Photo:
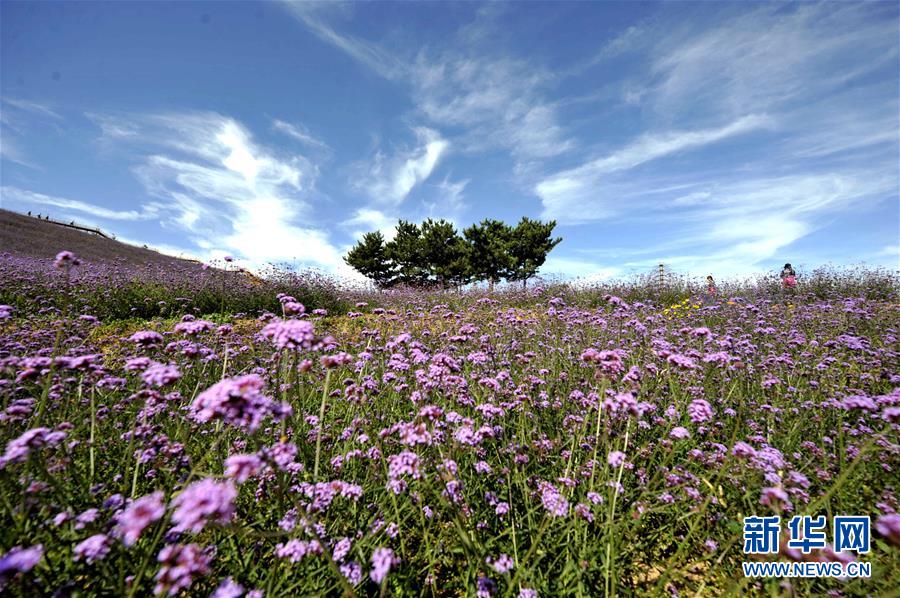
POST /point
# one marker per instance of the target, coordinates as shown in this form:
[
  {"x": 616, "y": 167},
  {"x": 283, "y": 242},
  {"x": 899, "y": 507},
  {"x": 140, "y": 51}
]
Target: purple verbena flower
[
  {"x": 238, "y": 401},
  {"x": 181, "y": 564},
  {"x": 290, "y": 334},
  {"x": 93, "y": 549},
  {"x": 205, "y": 501},
  {"x": 502, "y": 564},
  {"x": 135, "y": 518},
  {"x": 19, "y": 560},
  {"x": 700, "y": 411},
  {"x": 160, "y": 375},
  {"x": 382, "y": 561}
]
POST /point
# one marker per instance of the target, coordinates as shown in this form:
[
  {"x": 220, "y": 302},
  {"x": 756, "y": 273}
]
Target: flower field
[{"x": 542, "y": 442}]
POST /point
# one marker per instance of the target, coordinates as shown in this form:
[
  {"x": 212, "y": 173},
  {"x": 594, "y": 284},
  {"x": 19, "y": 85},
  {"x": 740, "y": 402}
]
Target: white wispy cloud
[
  {"x": 387, "y": 180},
  {"x": 492, "y": 101},
  {"x": 33, "y": 107},
  {"x": 446, "y": 200},
  {"x": 24, "y": 196},
  {"x": 367, "y": 219},
  {"x": 768, "y": 57},
  {"x": 298, "y": 132},
  {"x": 18, "y": 119},
  {"x": 739, "y": 225},
  {"x": 229, "y": 193},
  {"x": 574, "y": 195},
  {"x": 371, "y": 55},
  {"x": 10, "y": 149}
]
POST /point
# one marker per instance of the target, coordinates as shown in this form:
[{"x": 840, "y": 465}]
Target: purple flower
[
  {"x": 181, "y": 564},
  {"x": 742, "y": 449},
  {"x": 66, "y": 259},
  {"x": 137, "y": 363},
  {"x": 290, "y": 334},
  {"x": 502, "y": 564},
  {"x": 776, "y": 498},
  {"x": 293, "y": 308},
  {"x": 610, "y": 362},
  {"x": 238, "y": 401},
  {"x": 554, "y": 502},
  {"x": 353, "y": 572},
  {"x": 721, "y": 358},
  {"x": 146, "y": 338},
  {"x": 88, "y": 516},
  {"x": 132, "y": 521},
  {"x": 228, "y": 589},
  {"x": 681, "y": 361},
  {"x": 859, "y": 402},
  {"x": 382, "y": 561},
  {"x": 889, "y": 527},
  {"x": 205, "y": 501},
  {"x": 528, "y": 593},
  {"x": 160, "y": 375},
  {"x": 242, "y": 467},
  {"x": 93, "y": 549},
  {"x": 700, "y": 411},
  {"x": 616, "y": 458},
  {"x": 194, "y": 327},
  {"x": 36, "y": 438},
  {"x": 485, "y": 587},
  {"x": 679, "y": 433},
  {"x": 341, "y": 549},
  {"x": 296, "y": 550},
  {"x": 891, "y": 414},
  {"x": 405, "y": 463},
  {"x": 19, "y": 560}
]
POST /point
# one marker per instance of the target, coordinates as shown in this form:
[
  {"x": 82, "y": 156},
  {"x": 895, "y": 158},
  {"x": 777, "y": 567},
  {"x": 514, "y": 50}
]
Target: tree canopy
[{"x": 434, "y": 254}]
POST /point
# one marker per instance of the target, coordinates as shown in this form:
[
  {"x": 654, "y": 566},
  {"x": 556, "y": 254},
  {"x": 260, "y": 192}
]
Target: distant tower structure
[{"x": 662, "y": 275}]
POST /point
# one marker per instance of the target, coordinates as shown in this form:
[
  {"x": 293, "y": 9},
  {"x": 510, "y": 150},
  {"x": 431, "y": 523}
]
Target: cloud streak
[
  {"x": 229, "y": 193},
  {"x": 11, "y": 193},
  {"x": 575, "y": 191},
  {"x": 388, "y": 180},
  {"x": 299, "y": 133}
]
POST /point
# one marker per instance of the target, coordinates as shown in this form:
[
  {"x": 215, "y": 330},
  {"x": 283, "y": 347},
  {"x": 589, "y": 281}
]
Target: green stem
[
  {"x": 321, "y": 425},
  {"x": 93, "y": 430},
  {"x": 612, "y": 512}
]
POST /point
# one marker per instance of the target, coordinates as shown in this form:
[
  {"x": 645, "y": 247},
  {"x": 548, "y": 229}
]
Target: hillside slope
[{"x": 29, "y": 237}]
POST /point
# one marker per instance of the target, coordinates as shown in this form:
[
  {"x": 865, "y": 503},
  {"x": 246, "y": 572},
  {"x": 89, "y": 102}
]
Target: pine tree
[
  {"x": 369, "y": 258},
  {"x": 444, "y": 253},
  {"x": 406, "y": 253},
  {"x": 531, "y": 242},
  {"x": 489, "y": 251}
]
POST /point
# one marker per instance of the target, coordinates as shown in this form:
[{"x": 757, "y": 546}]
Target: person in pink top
[{"x": 788, "y": 277}]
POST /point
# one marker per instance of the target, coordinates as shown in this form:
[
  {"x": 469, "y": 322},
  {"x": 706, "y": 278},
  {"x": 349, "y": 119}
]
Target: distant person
[
  {"x": 29, "y": 212},
  {"x": 709, "y": 297},
  {"x": 788, "y": 277}
]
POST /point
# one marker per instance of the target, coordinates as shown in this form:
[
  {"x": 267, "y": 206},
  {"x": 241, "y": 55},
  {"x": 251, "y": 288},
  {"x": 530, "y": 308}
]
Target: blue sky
[{"x": 722, "y": 138}]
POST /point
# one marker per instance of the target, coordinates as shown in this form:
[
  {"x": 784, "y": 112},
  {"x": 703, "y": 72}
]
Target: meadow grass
[{"x": 547, "y": 441}]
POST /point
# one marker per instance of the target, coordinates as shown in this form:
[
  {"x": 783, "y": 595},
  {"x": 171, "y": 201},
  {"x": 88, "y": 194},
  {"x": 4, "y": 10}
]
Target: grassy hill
[{"x": 26, "y": 236}]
